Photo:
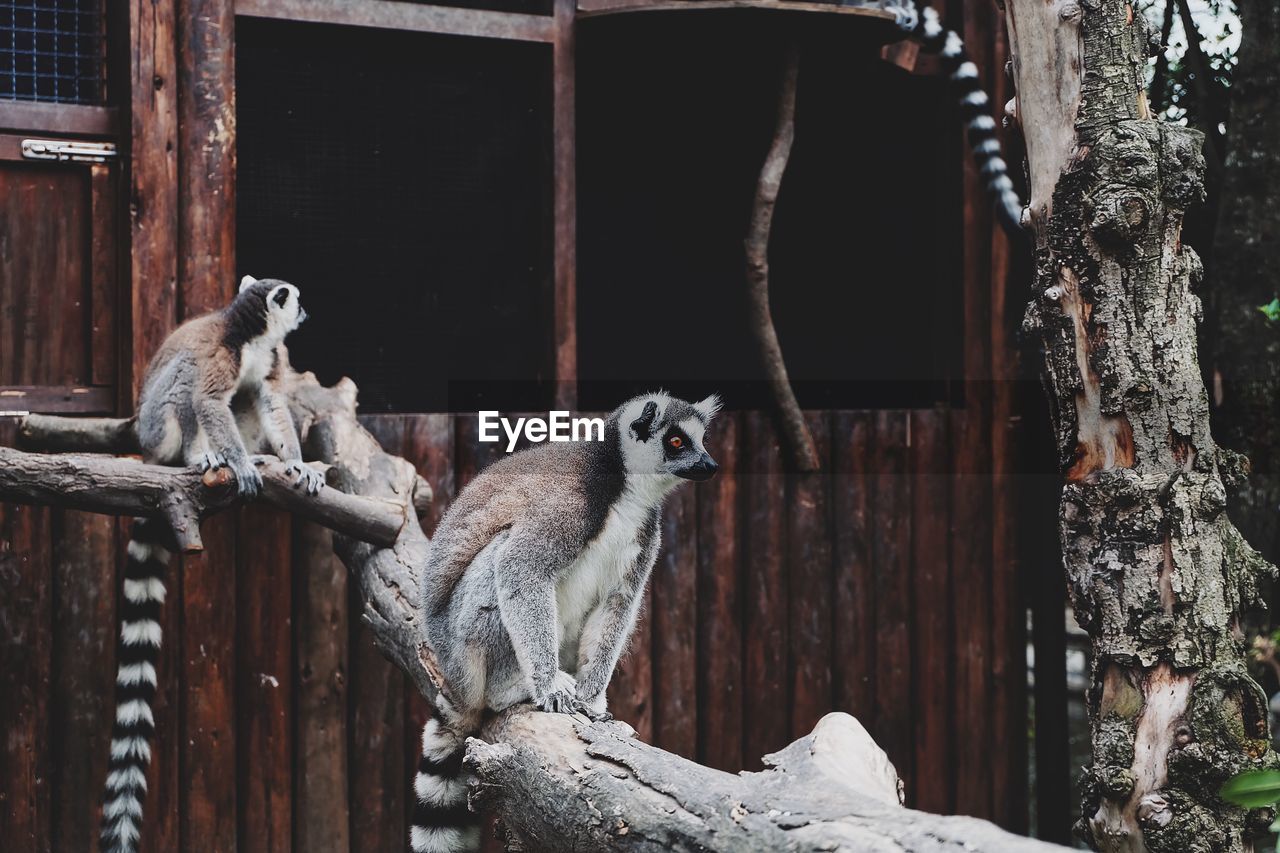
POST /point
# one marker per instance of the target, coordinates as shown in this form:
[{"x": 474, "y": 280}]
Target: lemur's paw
[
  {"x": 307, "y": 477},
  {"x": 211, "y": 461},
  {"x": 593, "y": 711},
  {"x": 248, "y": 480},
  {"x": 559, "y": 697},
  {"x": 557, "y": 702}
]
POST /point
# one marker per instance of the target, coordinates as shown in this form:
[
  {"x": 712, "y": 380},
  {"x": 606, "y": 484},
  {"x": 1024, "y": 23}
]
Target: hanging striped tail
[
  {"x": 442, "y": 823},
  {"x": 976, "y": 108},
  {"x": 139, "y": 652}
]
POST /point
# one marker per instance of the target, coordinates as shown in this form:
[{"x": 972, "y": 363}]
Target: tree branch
[
  {"x": 182, "y": 496},
  {"x": 757, "y": 251}
]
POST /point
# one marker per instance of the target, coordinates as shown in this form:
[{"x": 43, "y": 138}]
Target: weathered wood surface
[
  {"x": 1158, "y": 575},
  {"x": 562, "y": 784},
  {"x": 182, "y": 496}
]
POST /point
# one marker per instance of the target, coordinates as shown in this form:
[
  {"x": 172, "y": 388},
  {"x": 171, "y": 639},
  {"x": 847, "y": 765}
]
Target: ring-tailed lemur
[
  {"x": 185, "y": 417},
  {"x": 926, "y": 27},
  {"x": 532, "y": 585}
]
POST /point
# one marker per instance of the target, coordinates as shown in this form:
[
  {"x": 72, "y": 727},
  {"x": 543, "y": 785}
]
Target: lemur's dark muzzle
[{"x": 704, "y": 469}]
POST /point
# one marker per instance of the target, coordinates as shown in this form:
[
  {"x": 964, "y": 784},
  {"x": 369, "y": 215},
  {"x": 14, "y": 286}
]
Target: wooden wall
[
  {"x": 885, "y": 586},
  {"x": 777, "y": 598}
]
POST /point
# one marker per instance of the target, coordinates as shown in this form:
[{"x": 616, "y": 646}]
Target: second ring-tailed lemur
[
  {"x": 532, "y": 585},
  {"x": 208, "y": 399},
  {"x": 925, "y": 26}
]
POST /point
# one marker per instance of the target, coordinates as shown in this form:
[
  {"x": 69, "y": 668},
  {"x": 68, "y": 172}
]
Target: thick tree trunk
[
  {"x": 1158, "y": 574},
  {"x": 1246, "y": 254}
]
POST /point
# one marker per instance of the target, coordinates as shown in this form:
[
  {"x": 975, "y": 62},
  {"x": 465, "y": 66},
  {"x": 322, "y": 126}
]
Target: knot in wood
[{"x": 1117, "y": 782}]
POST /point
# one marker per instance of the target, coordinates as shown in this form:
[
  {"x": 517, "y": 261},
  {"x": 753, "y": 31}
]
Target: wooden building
[{"x": 520, "y": 205}]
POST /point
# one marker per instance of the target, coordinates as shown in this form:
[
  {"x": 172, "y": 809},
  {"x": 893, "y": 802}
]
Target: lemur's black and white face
[
  {"x": 283, "y": 304},
  {"x": 664, "y": 435}
]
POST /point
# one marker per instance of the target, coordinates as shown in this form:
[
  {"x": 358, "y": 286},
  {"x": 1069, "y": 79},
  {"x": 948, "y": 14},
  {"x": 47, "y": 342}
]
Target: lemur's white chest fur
[
  {"x": 604, "y": 562},
  {"x": 256, "y": 360}
]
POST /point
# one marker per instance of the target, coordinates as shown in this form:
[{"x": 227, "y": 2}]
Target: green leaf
[
  {"x": 1275, "y": 825},
  {"x": 1271, "y": 309},
  {"x": 1253, "y": 789}
]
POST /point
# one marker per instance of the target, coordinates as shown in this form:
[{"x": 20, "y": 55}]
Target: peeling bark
[{"x": 1158, "y": 575}]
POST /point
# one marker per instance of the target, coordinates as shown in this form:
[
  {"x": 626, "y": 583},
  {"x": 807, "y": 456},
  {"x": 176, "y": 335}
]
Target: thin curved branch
[{"x": 757, "y": 251}]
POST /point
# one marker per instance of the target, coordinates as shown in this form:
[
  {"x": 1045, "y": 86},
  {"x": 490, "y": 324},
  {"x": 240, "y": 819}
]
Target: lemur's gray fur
[
  {"x": 185, "y": 409},
  {"x": 533, "y": 581},
  {"x": 207, "y": 367}
]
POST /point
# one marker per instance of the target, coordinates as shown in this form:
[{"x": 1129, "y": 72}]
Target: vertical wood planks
[
  {"x": 320, "y": 817},
  {"x": 380, "y": 776},
  {"x": 1008, "y": 603},
  {"x": 25, "y": 672},
  {"x": 153, "y": 180},
  {"x": 810, "y": 569},
  {"x": 264, "y": 668},
  {"x": 206, "y": 139},
  {"x": 208, "y": 704},
  {"x": 104, "y": 204},
  {"x": 428, "y": 444},
  {"x": 971, "y": 495},
  {"x": 565, "y": 193},
  {"x": 855, "y": 602},
  {"x": 930, "y": 579},
  {"x": 891, "y": 554},
  {"x": 631, "y": 690},
  {"x": 720, "y": 606},
  {"x": 971, "y": 643},
  {"x": 84, "y": 646},
  {"x": 766, "y": 722},
  {"x": 674, "y": 621}
]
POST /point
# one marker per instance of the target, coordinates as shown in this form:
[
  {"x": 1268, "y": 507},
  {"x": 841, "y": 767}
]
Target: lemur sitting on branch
[
  {"x": 532, "y": 585},
  {"x": 208, "y": 399}
]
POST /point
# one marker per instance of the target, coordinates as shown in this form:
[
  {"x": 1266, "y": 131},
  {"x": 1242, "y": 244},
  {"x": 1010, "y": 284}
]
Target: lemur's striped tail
[
  {"x": 442, "y": 823},
  {"x": 139, "y": 652},
  {"x": 976, "y": 108}
]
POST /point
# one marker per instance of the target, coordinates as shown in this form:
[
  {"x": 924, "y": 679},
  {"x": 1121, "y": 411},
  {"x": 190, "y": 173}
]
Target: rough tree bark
[
  {"x": 1246, "y": 252},
  {"x": 1158, "y": 575},
  {"x": 558, "y": 783}
]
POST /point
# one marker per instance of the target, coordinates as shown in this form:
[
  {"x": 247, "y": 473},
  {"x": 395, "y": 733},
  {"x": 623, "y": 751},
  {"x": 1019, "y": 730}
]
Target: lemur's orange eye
[{"x": 676, "y": 442}]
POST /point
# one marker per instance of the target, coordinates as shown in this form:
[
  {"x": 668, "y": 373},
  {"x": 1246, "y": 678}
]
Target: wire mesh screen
[{"x": 52, "y": 50}]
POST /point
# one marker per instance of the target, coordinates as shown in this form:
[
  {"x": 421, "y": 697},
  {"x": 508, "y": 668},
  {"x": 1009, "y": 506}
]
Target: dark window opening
[
  {"x": 402, "y": 181},
  {"x": 675, "y": 116},
  {"x": 52, "y": 51}
]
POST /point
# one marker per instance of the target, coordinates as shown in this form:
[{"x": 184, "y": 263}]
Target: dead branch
[
  {"x": 757, "y": 251},
  {"x": 562, "y": 783},
  {"x": 556, "y": 782},
  {"x": 181, "y": 496}
]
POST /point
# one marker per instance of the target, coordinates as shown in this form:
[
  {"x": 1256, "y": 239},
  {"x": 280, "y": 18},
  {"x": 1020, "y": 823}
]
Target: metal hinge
[{"x": 71, "y": 150}]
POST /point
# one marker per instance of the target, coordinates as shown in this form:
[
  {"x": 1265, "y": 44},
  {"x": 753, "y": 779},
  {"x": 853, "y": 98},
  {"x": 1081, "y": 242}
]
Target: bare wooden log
[
  {"x": 182, "y": 496},
  {"x": 563, "y": 783},
  {"x": 757, "y": 251},
  {"x": 56, "y": 434}
]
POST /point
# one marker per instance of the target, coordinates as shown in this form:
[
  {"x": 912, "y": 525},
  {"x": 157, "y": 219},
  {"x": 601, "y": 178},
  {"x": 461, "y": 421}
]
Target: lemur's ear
[
  {"x": 247, "y": 282},
  {"x": 708, "y": 407},
  {"x": 642, "y": 427}
]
